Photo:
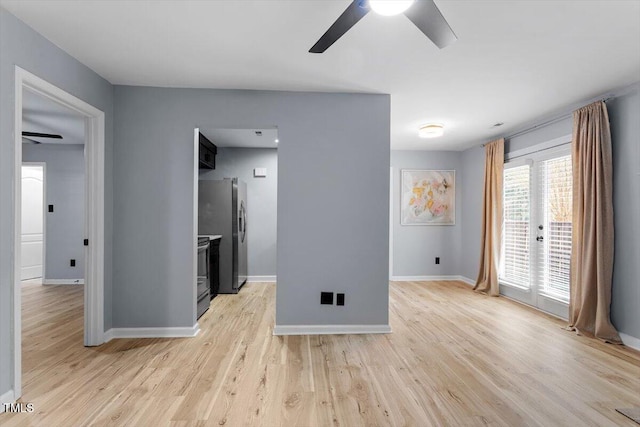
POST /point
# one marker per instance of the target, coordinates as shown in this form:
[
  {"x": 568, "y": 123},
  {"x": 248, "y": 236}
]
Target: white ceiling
[
  {"x": 514, "y": 60},
  {"x": 40, "y": 114},
  {"x": 242, "y": 138}
]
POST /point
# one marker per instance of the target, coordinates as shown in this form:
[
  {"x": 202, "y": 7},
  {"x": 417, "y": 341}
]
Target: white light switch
[{"x": 260, "y": 172}]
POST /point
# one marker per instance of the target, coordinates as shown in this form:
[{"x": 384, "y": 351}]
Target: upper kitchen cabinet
[{"x": 207, "y": 153}]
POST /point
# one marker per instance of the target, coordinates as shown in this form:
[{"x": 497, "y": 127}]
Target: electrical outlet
[
  {"x": 326, "y": 298},
  {"x": 73, "y": 263},
  {"x": 50, "y": 208},
  {"x": 437, "y": 260},
  {"x": 339, "y": 299}
]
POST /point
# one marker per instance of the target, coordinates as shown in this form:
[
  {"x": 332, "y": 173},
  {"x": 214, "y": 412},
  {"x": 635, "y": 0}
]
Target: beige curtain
[
  {"x": 592, "y": 242},
  {"x": 491, "y": 219}
]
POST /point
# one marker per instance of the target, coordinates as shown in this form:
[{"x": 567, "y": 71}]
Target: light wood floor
[{"x": 454, "y": 358}]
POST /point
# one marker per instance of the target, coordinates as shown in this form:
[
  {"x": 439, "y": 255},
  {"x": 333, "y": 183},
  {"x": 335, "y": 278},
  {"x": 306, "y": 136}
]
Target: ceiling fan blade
[
  {"x": 355, "y": 12},
  {"x": 42, "y": 135},
  {"x": 31, "y": 140},
  {"x": 427, "y": 17}
]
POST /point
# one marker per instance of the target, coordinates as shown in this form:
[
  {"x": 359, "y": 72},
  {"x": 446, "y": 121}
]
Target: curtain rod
[
  {"x": 539, "y": 125},
  {"x": 543, "y": 124}
]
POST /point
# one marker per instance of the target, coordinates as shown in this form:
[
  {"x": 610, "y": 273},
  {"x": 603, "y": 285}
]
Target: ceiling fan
[
  {"x": 26, "y": 135},
  {"x": 423, "y": 13}
]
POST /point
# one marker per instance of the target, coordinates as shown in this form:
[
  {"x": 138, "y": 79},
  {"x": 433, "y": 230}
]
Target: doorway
[
  {"x": 235, "y": 198},
  {"x": 536, "y": 246},
  {"x": 94, "y": 135}
]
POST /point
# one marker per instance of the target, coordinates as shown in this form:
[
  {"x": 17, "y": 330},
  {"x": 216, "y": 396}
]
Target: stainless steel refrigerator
[{"x": 222, "y": 209}]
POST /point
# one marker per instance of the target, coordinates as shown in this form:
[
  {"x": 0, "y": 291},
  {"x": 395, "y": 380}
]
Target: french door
[{"x": 536, "y": 234}]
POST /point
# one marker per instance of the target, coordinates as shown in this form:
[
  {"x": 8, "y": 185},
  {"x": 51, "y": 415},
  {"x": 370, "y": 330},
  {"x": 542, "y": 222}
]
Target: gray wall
[
  {"x": 625, "y": 131},
  {"x": 624, "y": 115},
  {"x": 262, "y": 199},
  {"x": 471, "y": 186},
  {"x": 20, "y": 45},
  {"x": 64, "y": 183},
  {"x": 333, "y": 195},
  {"x": 415, "y": 247},
  {"x": 545, "y": 133}
]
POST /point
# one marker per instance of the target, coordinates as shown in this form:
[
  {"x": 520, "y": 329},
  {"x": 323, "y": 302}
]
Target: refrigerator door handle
[{"x": 243, "y": 212}]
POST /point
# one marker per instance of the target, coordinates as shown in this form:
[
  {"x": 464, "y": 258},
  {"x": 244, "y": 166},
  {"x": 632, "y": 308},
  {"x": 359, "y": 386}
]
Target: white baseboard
[
  {"x": 330, "y": 329},
  {"x": 421, "y": 278},
  {"x": 630, "y": 341},
  {"x": 466, "y": 280},
  {"x": 431, "y": 278},
  {"x": 185, "y": 332},
  {"x": 7, "y": 397},
  {"x": 63, "y": 282},
  {"x": 265, "y": 279}
]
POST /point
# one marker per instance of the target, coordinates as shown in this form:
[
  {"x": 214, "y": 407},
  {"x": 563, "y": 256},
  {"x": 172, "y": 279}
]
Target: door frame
[
  {"x": 94, "y": 213},
  {"x": 194, "y": 230},
  {"x": 44, "y": 216},
  {"x": 391, "y": 188}
]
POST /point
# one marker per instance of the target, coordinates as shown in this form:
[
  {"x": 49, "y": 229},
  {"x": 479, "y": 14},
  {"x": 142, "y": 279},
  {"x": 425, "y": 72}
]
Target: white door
[
  {"x": 32, "y": 221},
  {"x": 536, "y": 248}
]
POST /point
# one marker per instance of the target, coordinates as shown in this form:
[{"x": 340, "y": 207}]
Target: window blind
[
  {"x": 555, "y": 186},
  {"x": 515, "y": 266}
]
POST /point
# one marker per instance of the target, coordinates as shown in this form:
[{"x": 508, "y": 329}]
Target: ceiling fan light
[
  {"x": 431, "y": 131},
  {"x": 389, "y": 7}
]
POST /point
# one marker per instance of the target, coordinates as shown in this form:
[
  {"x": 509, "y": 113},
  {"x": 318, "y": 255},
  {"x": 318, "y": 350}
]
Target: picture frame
[{"x": 428, "y": 197}]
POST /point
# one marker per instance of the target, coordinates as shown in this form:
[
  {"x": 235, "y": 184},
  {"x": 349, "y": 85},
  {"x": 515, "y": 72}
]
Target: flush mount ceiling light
[
  {"x": 389, "y": 7},
  {"x": 432, "y": 130}
]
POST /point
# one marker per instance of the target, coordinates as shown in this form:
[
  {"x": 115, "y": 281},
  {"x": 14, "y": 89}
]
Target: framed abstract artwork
[{"x": 428, "y": 197}]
